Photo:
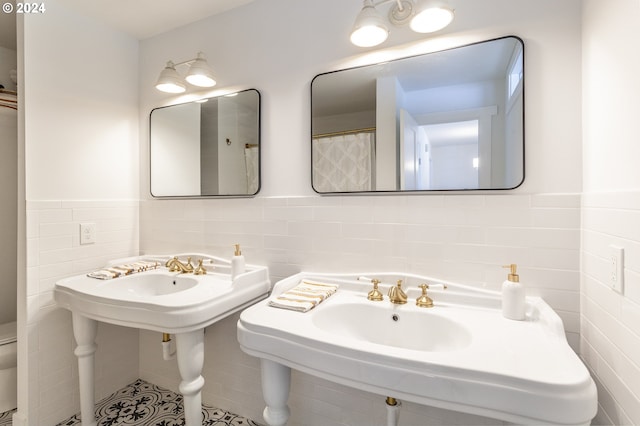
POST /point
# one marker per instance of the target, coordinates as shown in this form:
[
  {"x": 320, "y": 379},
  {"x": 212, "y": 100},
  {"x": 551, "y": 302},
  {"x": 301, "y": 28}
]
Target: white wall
[
  {"x": 82, "y": 104},
  {"x": 289, "y": 228},
  {"x": 79, "y": 133},
  {"x": 610, "y": 322}
]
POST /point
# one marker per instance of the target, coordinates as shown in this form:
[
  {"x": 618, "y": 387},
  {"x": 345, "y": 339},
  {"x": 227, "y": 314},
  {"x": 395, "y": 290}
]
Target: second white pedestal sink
[
  {"x": 461, "y": 354},
  {"x": 159, "y": 300}
]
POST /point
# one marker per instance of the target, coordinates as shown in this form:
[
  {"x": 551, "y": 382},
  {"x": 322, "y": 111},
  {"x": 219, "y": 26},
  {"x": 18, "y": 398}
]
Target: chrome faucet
[
  {"x": 175, "y": 265},
  {"x": 397, "y": 295}
]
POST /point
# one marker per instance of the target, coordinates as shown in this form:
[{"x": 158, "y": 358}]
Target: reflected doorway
[
  {"x": 439, "y": 156},
  {"x": 454, "y": 154}
]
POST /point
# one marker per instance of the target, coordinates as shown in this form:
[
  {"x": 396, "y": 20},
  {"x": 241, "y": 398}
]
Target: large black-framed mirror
[
  {"x": 442, "y": 121},
  {"x": 206, "y": 148}
]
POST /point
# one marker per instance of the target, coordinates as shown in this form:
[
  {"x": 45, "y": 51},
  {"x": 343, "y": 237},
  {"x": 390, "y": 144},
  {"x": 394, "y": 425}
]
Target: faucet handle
[
  {"x": 200, "y": 270},
  {"x": 375, "y": 294},
  {"x": 189, "y": 265},
  {"x": 424, "y": 301},
  {"x": 436, "y": 285}
]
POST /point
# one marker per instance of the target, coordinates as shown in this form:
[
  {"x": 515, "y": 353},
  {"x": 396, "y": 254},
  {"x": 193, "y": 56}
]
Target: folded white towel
[
  {"x": 116, "y": 271},
  {"x": 305, "y": 296},
  {"x": 103, "y": 274},
  {"x": 294, "y": 305}
]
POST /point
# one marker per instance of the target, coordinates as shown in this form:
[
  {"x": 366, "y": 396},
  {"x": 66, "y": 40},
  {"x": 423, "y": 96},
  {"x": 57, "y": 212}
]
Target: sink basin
[
  {"x": 461, "y": 354},
  {"x": 413, "y": 330},
  {"x": 150, "y": 285}
]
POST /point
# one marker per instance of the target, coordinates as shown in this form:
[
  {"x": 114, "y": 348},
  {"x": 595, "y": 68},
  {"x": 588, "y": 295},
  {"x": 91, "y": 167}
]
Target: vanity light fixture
[
  {"x": 369, "y": 29},
  {"x": 423, "y": 16},
  {"x": 199, "y": 74}
]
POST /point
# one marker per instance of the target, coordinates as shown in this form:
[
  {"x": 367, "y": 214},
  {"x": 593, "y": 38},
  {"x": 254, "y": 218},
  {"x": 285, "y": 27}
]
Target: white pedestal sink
[
  {"x": 159, "y": 300},
  {"x": 461, "y": 354}
]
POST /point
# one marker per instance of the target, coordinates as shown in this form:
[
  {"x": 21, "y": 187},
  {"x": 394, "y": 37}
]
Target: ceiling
[{"x": 139, "y": 18}]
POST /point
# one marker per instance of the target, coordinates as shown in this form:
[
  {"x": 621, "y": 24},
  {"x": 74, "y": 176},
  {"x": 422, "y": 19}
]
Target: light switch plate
[
  {"x": 87, "y": 233},
  {"x": 616, "y": 273}
]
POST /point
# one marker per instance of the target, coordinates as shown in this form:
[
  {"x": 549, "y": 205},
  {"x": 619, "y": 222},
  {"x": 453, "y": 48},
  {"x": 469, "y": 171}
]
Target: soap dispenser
[
  {"x": 237, "y": 263},
  {"x": 513, "y": 296}
]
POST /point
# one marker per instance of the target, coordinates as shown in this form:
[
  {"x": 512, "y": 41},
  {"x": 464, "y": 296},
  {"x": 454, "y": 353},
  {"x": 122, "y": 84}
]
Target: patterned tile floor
[
  {"x": 5, "y": 418},
  {"x": 145, "y": 404}
]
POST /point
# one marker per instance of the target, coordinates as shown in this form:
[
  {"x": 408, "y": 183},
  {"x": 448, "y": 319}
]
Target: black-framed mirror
[
  {"x": 447, "y": 120},
  {"x": 206, "y": 148}
]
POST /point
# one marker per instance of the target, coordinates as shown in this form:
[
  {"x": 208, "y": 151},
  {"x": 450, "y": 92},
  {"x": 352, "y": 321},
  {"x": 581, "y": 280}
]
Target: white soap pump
[
  {"x": 237, "y": 262},
  {"x": 513, "y": 296}
]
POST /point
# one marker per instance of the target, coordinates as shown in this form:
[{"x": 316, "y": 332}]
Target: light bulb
[
  {"x": 369, "y": 29},
  {"x": 170, "y": 81},
  {"x": 431, "y": 19},
  {"x": 369, "y": 36},
  {"x": 200, "y": 73}
]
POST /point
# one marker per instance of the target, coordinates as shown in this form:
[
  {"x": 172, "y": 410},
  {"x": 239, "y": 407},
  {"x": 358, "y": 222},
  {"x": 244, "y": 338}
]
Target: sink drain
[{"x": 395, "y": 317}]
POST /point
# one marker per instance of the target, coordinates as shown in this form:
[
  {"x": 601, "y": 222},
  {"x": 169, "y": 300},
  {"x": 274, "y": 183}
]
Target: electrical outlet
[
  {"x": 616, "y": 278},
  {"x": 87, "y": 233}
]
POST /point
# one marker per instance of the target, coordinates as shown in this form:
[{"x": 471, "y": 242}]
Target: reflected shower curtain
[
  {"x": 343, "y": 163},
  {"x": 251, "y": 163}
]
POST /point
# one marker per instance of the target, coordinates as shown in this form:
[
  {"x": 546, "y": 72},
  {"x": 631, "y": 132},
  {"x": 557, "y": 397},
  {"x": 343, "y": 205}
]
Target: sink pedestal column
[
  {"x": 190, "y": 354},
  {"x": 84, "y": 331},
  {"x": 276, "y": 381}
]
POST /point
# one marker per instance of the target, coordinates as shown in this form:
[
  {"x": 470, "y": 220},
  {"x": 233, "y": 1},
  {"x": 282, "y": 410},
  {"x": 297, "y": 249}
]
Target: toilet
[{"x": 8, "y": 367}]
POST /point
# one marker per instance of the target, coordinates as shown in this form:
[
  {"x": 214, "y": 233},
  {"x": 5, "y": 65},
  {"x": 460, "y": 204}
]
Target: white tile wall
[
  {"x": 610, "y": 332},
  {"x": 54, "y": 252},
  {"x": 462, "y": 238}
]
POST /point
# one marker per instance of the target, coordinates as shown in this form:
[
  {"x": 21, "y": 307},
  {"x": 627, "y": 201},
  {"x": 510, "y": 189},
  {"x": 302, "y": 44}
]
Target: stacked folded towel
[
  {"x": 304, "y": 296},
  {"x": 116, "y": 271}
]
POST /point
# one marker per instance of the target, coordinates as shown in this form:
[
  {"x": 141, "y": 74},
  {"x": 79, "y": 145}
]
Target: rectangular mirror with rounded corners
[
  {"x": 206, "y": 148},
  {"x": 447, "y": 120}
]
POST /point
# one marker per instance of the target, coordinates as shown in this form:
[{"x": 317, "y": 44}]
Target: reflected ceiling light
[
  {"x": 371, "y": 30},
  {"x": 199, "y": 74}
]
